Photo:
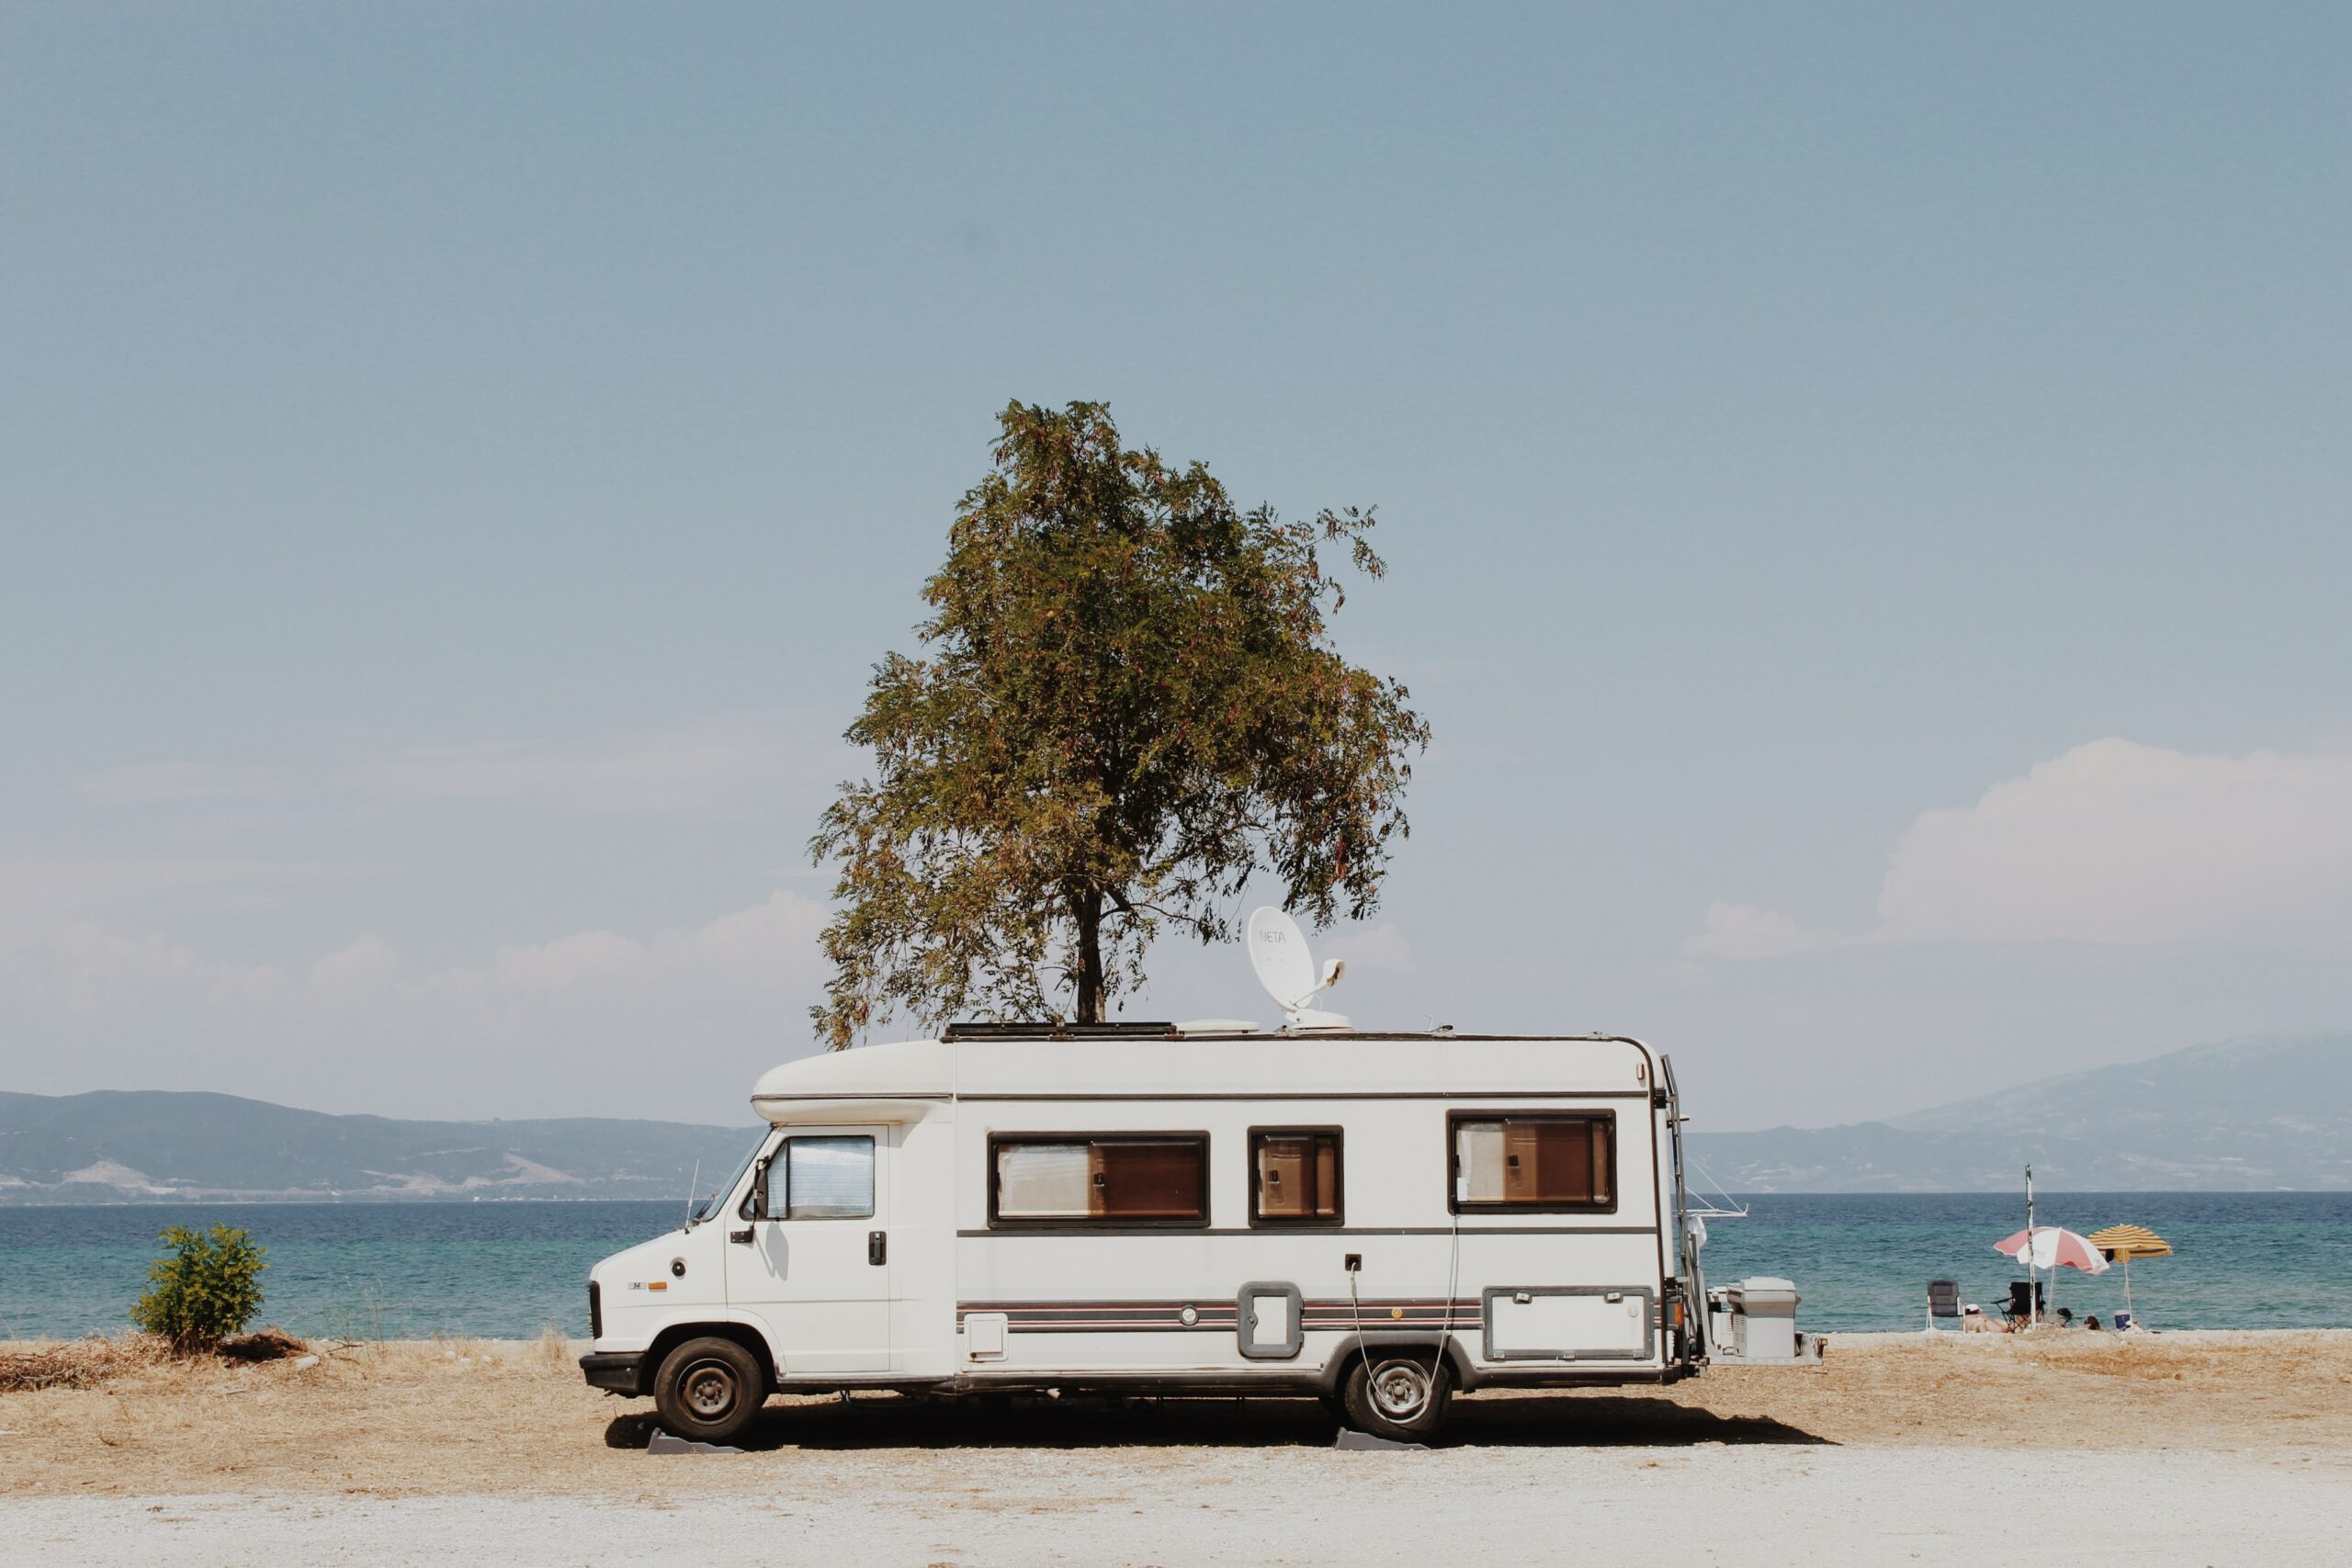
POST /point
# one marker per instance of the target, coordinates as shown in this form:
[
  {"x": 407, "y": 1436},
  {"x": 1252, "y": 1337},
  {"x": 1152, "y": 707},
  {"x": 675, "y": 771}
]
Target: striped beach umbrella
[
  {"x": 2053, "y": 1247},
  {"x": 2121, "y": 1244}
]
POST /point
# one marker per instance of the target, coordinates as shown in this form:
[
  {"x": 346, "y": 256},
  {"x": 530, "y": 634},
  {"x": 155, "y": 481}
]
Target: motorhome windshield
[{"x": 708, "y": 1206}]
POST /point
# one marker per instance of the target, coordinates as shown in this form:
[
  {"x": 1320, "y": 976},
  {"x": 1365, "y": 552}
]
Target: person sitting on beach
[
  {"x": 2091, "y": 1322},
  {"x": 1972, "y": 1320},
  {"x": 2066, "y": 1317}
]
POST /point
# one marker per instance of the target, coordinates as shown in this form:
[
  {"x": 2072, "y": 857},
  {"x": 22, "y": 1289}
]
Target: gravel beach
[
  {"x": 2187, "y": 1449},
  {"x": 1709, "y": 1503}
]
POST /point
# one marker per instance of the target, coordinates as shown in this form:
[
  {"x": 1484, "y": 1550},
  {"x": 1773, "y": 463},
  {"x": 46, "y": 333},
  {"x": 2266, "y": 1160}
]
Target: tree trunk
[{"x": 1088, "y": 908}]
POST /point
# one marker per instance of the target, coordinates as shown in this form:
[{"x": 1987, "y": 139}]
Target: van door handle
[
  {"x": 742, "y": 1237},
  {"x": 877, "y": 1246}
]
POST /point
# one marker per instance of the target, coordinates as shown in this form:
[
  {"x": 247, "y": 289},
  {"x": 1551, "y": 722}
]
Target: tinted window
[
  {"x": 1535, "y": 1162},
  {"x": 1294, "y": 1176},
  {"x": 1151, "y": 1177}
]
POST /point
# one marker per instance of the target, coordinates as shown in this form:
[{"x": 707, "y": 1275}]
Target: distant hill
[
  {"x": 117, "y": 1147},
  {"x": 2244, "y": 1116},
  {"x": 2247, "y": 1116}
]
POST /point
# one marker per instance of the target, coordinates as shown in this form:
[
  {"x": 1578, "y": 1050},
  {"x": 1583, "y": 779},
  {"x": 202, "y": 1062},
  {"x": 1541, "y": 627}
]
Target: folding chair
[{"x": 1943, "y": 1300}]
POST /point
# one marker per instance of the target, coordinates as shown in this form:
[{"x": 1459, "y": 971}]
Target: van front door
[{"x": 813, "y": 1261}]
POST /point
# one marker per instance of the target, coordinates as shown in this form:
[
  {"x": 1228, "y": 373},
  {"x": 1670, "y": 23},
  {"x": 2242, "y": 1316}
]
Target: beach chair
[
  {"x": 2028, "y": 1300},
  {"x": 1943, "y": 1300}
]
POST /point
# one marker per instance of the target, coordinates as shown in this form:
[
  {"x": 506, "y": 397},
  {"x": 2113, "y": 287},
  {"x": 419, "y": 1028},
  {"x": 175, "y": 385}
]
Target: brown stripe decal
[{"x": 1220, "y": 1317}]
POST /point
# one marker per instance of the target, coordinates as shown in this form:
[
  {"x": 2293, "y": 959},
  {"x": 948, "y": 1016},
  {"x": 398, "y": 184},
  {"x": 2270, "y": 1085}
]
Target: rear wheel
[
  {"x": 1400, "y": 1395},
  {"x": 709, "y": 1390}
]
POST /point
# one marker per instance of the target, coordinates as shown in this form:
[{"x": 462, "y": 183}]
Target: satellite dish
[{"x": 1279, "y": 953}]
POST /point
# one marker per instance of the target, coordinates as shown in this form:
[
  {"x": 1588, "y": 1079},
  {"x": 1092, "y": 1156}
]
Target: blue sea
[{"x": 507, "y": 1270}]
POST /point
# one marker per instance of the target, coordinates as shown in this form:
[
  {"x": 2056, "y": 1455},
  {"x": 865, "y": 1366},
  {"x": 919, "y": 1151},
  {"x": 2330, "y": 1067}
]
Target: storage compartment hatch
[
  {"x": 984, "y": 1336},
  {"x": 1570, "y": 1323}
]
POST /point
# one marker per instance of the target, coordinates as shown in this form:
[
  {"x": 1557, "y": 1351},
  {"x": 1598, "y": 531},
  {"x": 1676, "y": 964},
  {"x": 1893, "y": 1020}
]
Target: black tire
[
  {"x": 1399, "y": 1395},
  {"x": 709, "y": 1390}
]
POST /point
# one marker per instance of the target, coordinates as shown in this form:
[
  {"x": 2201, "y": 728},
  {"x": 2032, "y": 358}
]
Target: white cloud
[
  {"x": 2115, "y": 844},
  {"x": 39, "y": 895},
  {"x": 357, "y": 974},
  {"x": 1738, "y": 930},
  {"x": 762, "y": 950},
  {"x": 692, "y": 767},
  {"x": 2121, "y": 843},
  {"x": 765, "y": 955},
  {"x": 584, "y": 966},
  {"x": 89, "y": 964}
]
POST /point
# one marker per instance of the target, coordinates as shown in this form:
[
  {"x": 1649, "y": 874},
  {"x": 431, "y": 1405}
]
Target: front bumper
[{"x": 617, "y": 1371}]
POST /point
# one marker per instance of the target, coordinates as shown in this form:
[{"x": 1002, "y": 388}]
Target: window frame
[
  {"x": 999, "y": 1222},
  {"x": 1339, "y": 1215},
  {"x": 755, "y": 1202},
  {"x": 1455, "y": 1204}
]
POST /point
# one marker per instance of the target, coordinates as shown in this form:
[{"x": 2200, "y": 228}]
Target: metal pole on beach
[{"x": 2032, "y": 1296}]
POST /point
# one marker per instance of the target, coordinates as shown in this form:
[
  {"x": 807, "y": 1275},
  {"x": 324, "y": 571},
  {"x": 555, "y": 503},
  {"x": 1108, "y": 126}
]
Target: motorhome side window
[
  {"x": 1294, "y": 1176},
  {"x": 1134, "y": 1179},
  {"x": 1548, "y": 1160},
  {"x": 827, "y": 1178}
]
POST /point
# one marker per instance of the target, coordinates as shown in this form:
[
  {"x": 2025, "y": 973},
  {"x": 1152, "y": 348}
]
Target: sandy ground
[{"x": 2180, "y": 1447}]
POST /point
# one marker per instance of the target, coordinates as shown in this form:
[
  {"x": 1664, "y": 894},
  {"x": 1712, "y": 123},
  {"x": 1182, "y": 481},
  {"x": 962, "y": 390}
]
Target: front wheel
[
  {"x": 1400, "y": 1395},
  {"x": 709, "y": 1390}
]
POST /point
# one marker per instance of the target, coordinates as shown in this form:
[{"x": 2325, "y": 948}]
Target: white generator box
[{"x": 1763, "y": 1318}]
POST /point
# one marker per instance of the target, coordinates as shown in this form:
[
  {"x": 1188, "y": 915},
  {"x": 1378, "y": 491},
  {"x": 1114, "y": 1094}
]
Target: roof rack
[{"x": 1053, "y": 1029}]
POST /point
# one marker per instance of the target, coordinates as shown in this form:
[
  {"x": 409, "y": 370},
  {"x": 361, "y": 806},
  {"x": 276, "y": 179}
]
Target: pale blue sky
[{"x": 457, "y": 463}]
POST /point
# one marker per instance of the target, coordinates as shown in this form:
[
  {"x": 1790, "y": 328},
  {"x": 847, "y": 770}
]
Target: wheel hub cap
[
  {"x": 1400, "y": 1390},
  {"x": 710, "y": 1391}
]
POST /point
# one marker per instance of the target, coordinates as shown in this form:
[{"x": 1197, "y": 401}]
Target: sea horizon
[{"x": 512, "y": 1268}]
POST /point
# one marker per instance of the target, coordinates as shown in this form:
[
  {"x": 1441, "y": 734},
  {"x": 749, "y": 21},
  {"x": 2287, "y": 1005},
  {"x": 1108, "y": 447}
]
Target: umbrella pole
[
  {"x": 2032, "y": 1296},
  {"x": 2127, "y": 1285}
]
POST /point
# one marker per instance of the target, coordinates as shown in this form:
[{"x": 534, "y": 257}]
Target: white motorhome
[{"x": 1375, "y": 1219}]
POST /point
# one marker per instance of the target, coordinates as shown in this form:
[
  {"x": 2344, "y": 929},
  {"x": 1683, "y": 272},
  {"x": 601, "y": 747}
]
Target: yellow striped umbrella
[{"x": 2121, "y": 1244}]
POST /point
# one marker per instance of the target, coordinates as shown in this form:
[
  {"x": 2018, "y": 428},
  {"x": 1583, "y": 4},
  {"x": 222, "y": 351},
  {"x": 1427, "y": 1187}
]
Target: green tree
[
  {"x": 208, "y": 1289},
  {"x": 1128, "y": 702}
]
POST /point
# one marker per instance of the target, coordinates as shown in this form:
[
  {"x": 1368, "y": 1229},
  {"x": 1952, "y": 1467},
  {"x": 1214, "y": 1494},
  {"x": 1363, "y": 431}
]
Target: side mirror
[{"x": 755, "y": 1202}]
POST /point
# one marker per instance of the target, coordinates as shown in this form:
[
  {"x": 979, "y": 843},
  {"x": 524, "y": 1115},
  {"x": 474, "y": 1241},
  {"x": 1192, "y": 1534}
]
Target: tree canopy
[{"x": 1127, "y": 703}]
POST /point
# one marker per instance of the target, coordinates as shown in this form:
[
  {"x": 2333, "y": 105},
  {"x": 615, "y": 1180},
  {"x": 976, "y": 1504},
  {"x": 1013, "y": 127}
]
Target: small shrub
[{"x": 208, "y": 1289}]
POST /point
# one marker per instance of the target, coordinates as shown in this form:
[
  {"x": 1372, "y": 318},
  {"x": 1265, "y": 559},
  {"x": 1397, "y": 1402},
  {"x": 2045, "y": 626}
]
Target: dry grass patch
[
  {"x": 99, "y": 1358},
  {"x": 79, "y": 1363}
]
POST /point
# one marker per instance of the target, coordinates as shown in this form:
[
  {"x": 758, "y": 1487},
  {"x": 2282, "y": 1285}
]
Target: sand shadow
[
  {"x": 1612, "y": 1420},
  {"x": 1489, "y": 1420}
]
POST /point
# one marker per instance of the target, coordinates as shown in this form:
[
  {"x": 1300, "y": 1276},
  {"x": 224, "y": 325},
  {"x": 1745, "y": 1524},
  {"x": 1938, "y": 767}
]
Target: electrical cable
[
  {"x": 1363, "y": 1355},
  {"x": 1445, "y": 1320}
]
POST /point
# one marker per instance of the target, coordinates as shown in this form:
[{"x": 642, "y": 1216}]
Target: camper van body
[{"x": 1020, "y": 1208}]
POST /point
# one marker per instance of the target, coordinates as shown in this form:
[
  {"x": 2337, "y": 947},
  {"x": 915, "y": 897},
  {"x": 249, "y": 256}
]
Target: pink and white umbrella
[{"x": 2053, "y": 1247}]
